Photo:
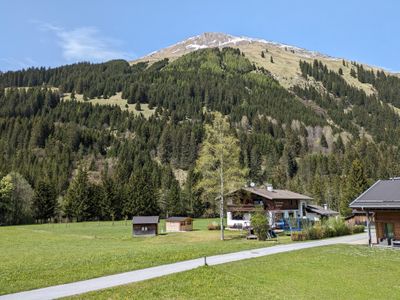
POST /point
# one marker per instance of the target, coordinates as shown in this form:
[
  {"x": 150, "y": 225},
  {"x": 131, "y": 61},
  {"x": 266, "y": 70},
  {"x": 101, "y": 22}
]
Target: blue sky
[{"x": 51, "y": 33}]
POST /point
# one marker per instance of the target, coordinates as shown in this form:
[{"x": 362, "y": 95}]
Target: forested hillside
[{"x": 64, "y": 158}]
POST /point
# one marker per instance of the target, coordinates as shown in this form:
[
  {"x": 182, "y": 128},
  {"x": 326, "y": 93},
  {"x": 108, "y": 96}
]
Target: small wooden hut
[
  {"x": 176, "y": 224},
  {"x": 145, "y": 225}
]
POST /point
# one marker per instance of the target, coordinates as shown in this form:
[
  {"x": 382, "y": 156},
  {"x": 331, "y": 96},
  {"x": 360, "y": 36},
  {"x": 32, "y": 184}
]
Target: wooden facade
[
  {"x": 358, "y": 218},
  {"x": 177, "y": 224},
  {"x": 145, "y": 229},
  {"x": 382, "y": 199},
  {"x": 145, "y": 225},
  {"x": 387, "y": 225}
]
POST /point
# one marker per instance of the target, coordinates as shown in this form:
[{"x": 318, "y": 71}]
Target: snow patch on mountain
[{"x": 213, "y": 39}]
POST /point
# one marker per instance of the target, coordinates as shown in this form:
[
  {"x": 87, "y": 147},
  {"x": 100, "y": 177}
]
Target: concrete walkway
[{"x": 95, "y": 284}]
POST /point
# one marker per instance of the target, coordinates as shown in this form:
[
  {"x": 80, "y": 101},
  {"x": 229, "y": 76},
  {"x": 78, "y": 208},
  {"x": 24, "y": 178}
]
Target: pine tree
[
  {"x": 262, "y": 54},
  {"x": 340, "y": 71},
  {"x": 141, "y": 197},
  {"x": 137, "y": 106},
  {"x": 356, "y": 183},
  {"x": 165, "y": 146},
  {"x": 77, "y": 200},
  {"x": 44, "y": 202},
  {"x": 174, "y": 200},
  {"x": 272, "y": 60},
  {"x": 218, "y": 163},
  {"x": 323, "y": 142}
]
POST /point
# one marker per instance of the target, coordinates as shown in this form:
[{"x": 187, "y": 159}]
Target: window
[
  {"x": 258, "y": 202},
  {"x": 144, "y": 228},
  {"x": 237, "y": 216}
]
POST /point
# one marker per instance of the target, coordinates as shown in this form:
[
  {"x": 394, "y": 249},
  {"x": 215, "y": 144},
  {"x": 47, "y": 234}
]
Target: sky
[{"x": 57, "y": 32}]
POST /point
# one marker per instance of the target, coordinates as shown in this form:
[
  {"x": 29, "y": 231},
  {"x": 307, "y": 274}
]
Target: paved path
[{"x": 95, "y": 284}]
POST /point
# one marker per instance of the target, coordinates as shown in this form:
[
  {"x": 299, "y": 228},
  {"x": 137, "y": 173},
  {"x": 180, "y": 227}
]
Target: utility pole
[{"x": 369, "y": 230}]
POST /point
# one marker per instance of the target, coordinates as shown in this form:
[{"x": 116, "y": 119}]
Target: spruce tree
[
  {"x": 323, "y": 142},
  {"x": 78, "y": 197},
  {"x": 137, "y": 106},
  {"x": 141, "y": 197},
  {"x": 174, "y": 199},
  {"x": 44, "y": 202},
  {"x": 356, "y": 183}
]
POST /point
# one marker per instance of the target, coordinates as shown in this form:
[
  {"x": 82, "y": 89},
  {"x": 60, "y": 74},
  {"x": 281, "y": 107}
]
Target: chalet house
[
  {"x": 145, "y": 226},
  {"x": 177, "y": 224},
  {"x": 278, "y": 204},
  {"x": 382, "y": 199},
  {"x": 315, "y": 212},
  {"x": 357, "y": 217}
]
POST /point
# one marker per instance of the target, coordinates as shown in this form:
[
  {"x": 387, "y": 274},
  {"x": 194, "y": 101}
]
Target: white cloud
[{"x": 85, "y": 44}]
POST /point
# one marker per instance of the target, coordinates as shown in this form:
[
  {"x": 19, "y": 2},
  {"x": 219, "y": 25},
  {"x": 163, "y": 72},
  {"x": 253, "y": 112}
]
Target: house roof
[
  {"x": 320, "y": 210},
  {"x": 276, "y": 194},
  {"x": 177, "y": 219},
  {"x": 145, "y": 219},
  {"x": 383, "y": 194}
]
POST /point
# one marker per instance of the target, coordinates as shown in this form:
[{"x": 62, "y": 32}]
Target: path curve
[{"x": 80, "y": 287}]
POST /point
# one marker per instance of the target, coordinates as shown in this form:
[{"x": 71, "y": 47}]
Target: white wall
[{"x": 245, "y": 222}]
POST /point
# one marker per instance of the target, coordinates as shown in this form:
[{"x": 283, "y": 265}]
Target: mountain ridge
[{"x": 280, "y": 59}]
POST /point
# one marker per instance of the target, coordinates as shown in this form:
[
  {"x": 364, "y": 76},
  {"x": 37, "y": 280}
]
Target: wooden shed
[
  {"x": 176, "y": 224},
  {"x": 145, "y": 225}
]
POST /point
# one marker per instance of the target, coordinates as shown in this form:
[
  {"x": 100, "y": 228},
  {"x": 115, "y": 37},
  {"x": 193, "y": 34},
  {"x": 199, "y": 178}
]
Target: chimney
[
  {"x": 270, "y": 188},
  {"x": 325, "y": 206}
]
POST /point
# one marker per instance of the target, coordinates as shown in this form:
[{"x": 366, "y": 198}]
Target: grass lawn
[
  {"x": 331, "y": 272},
  {"x": 34, "y": 256}
]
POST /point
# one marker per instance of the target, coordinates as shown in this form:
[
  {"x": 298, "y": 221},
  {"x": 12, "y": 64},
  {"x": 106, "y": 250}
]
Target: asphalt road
[{"x": 100, "y": 283}]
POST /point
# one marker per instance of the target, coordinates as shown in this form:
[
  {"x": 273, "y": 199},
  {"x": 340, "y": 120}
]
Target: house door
[{"x": 389, "y": 232}]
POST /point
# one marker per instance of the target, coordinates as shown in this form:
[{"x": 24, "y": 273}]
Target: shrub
[
  {"x": 339, "y": 226},
  {"x": 329, "y": 232},
  {"x": 214, "y": 226},
  {"x": 358, "y": 228},
  {"x": 259, "y": 222},
  {"x": 315, "y": 232},
  {"x": 298, "y": 236}
]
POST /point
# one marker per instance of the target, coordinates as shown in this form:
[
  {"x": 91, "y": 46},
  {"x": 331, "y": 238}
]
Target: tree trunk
[{"x": 221, "y": 208}]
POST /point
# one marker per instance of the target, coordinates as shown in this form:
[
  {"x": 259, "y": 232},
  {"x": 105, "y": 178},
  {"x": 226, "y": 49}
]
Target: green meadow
[
  {"x": 35, "y": 256},
  {"x": 331, "y": 272}
]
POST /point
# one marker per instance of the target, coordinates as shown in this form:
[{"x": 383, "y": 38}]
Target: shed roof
[
  {"x": 383, "y": 194},
  {"x": 320, "y": 210},
  {"x": 145, "y": 219},
  {"x": 276, "y": 194},
  {"x": 178, "y": 219}
]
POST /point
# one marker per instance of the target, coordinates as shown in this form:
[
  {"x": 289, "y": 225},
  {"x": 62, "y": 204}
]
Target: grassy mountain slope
[{"x": 285, "y": 67}]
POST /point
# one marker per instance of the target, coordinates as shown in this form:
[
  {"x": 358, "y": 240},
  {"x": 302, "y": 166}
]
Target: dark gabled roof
[
  {"x": 178, "y": 219},
  {"x": 145, "y": 220},
  {"x": 383, "y": 194},
  {"x": 320, "y": 210},
  {"x": 275, "y": 194}
]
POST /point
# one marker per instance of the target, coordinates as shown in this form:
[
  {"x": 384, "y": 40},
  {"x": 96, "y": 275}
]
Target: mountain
[
  {"x": 285, "y": 67},
  {"x": 303, "y": 121}
]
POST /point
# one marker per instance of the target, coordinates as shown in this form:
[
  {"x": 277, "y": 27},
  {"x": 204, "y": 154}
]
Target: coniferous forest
[{"x": 64, "y": 158}]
